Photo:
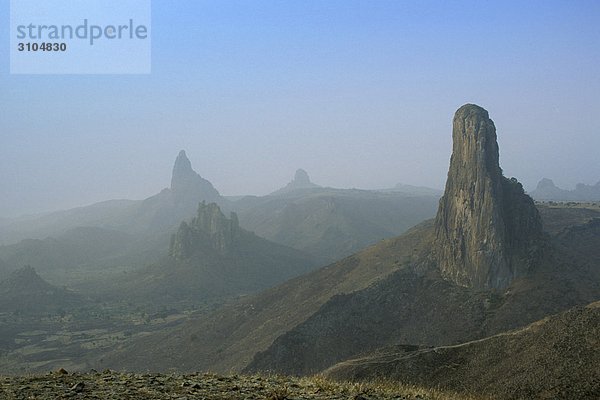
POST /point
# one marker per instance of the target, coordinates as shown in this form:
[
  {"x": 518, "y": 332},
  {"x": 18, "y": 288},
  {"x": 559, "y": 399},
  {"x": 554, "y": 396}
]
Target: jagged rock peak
[
  {"x": 486, "y": 228},
  {"x": 210, "y": 229}
]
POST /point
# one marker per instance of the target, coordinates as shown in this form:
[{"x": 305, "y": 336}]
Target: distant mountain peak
[
  {"x": 301, "y": 177},
  {"x": 486, "y": 225},
  {"x": 545, "y": 183},
  {"x": 547, "y": 190},
  {"x": 187, "y": 184},
  {"x": 182, "y": 171},
  {"x": 301, "y": 181},
  {"x": 24, "y": 280}
]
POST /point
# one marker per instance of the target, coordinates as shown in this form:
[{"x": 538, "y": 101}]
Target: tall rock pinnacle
[{"x": 486, "y": 226}]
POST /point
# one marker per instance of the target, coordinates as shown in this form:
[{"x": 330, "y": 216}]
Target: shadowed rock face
[{"x": 486, "y": 228}]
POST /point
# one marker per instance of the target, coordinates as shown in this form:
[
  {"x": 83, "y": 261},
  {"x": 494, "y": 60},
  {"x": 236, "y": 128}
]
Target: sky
[{"x": 358, "y": 93}]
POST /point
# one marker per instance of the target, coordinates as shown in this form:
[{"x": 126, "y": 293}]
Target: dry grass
[{"x": 382, "y": 388}]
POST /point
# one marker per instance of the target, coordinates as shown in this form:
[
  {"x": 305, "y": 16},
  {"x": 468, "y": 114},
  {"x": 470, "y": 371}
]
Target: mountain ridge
[{"x": 546, "y": 190}]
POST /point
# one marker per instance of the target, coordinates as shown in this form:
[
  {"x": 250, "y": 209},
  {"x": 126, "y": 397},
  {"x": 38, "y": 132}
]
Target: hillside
[
  {"x": 333, "y": 223},
  {"x": 409, "y": 308},
  {"x": 560, "y": 215},
  {"x": 229, "y": 337},
  {"x": 25, "y": 293},
  {"x": 556, "y": 357},
  {"x": 103, "y": 214},
  {"x": 83, "y": 252}
]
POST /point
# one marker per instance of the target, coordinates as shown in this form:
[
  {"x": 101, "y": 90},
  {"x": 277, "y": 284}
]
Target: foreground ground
[{"x": 110, "y": 385}]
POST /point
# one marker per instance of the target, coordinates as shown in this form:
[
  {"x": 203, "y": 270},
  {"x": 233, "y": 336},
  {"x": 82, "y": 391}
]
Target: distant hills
[
  {"x": 333, "y": 223},
  {"x": 324, "y": 222},
  {"x": 211, "y": 257},
  {"x": 415, "y": 190},
  {"x": 546, "y": 190},
  {"x": 24, "y": 292},
  {"x": 156, "y": 214},
  {"x": 83, "y": 249}
]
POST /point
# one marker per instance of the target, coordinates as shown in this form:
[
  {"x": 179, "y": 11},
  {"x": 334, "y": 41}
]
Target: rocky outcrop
[
  {"x": 163, "y": 211},
  {"x": 486, "y": 228},
  {"x": 209, "y": 229}
]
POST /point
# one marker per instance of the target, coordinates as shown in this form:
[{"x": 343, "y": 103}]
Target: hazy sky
[{"x": 358, "y": 93}]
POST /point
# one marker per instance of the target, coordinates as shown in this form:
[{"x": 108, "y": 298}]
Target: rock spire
[
  {"x": 210, "y": 230},
  {"x": 486, "y": 227}
]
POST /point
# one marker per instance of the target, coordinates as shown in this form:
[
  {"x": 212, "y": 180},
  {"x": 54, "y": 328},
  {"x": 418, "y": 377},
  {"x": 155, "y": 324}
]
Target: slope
[
  {"x": 228, "y": 337},
  {"x": 556, "y": 357},
  {"x": 24, "y": 292}
]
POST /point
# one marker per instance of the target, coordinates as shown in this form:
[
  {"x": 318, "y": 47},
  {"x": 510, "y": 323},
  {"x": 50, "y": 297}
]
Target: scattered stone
[
  {"x": 78, "y": 387},
  {"x": 187, "y": 387}
]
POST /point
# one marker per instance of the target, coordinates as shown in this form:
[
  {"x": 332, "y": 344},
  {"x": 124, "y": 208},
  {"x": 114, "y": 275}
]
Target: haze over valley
[{"x": 307, "y": 200}]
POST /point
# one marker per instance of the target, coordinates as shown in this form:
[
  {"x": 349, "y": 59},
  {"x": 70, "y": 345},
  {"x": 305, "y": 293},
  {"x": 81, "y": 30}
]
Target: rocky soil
[{"x": 109, "y": 385}]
